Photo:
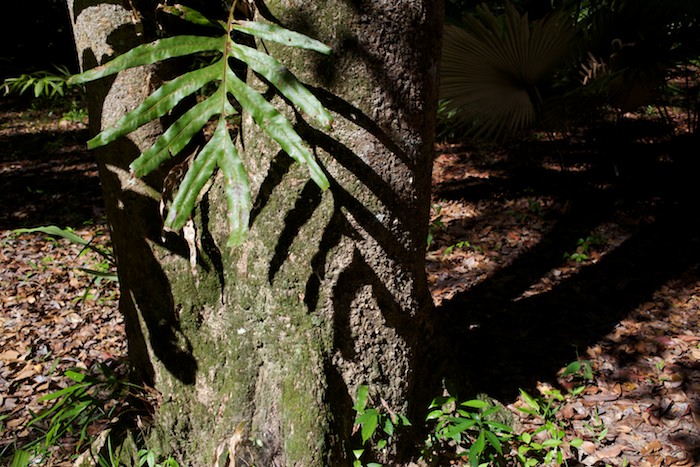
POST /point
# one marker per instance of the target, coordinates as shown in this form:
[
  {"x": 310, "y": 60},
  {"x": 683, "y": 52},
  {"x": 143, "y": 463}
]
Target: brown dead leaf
[
  {"x": 683, "y": 463},
  {"x": 28, "y": 371},
  {"x": 629, "y": 386},
  {"x": 10, "y": 356},
  {"x": 695, "y": 413},
  {"x": 650, "y": 447},
  {"x": 15, "y": 423},
  {"x": 567, "y": 412},
  {"x": 588, "y": 447},
  {"x": 609, "y": 452},
  {"x": 595, "y": 398},
  {"x": 74, "y": 318}
]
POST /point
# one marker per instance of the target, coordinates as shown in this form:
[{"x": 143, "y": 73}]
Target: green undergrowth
[
  {"x": 481, "y": 431},
  {"x": 99, "y": 418},
  {"x": 86, "y": 422}
]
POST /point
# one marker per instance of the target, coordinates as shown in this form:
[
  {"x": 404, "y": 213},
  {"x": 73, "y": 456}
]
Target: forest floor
[{"x": 542, "y": 254}]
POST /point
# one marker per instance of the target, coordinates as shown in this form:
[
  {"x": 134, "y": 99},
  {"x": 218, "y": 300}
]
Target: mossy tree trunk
[{"x": 271, "y": 340}]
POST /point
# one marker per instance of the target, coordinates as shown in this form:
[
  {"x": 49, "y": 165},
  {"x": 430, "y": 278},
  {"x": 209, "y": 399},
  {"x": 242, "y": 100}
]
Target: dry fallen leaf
[
  {"x": 609, "y": 452},
  {"x": 695, "y": 412},
  {"x": 589, "y": 447},
  {"x": 650, "y": 447}
]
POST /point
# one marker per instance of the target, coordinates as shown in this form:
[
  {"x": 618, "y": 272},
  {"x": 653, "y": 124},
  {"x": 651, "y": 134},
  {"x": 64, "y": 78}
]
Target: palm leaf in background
[
  {"x": 492, "y": 68},
  {"x": 220, "y": 151},
  {"x": 633, "y": 43}
]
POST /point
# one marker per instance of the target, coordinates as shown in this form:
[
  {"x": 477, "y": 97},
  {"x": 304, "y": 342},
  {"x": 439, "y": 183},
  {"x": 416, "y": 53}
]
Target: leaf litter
[
  {"x": 495, "y": 212},
  {"x": 54, "y": 316},
  {"x": 641, "y": 409}
]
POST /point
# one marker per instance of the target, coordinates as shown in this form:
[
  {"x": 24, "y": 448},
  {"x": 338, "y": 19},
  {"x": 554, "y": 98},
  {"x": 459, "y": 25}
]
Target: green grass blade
[
  {"x": 476, "y": 449},
  {"x": 275, "y": 125},
  {"x": 76, "y": 390},
  {"x": 56, "y": 231},
  {"x": 178, "y": 135},
  {"x": 498, "y": 426},
  {"x": 529, "y": 400},
  {"x": 110, "y": 276},
  {"x": 237, "y": 188},
  {"x": 21, "y": 458},
  {"x": 459, "y": 427},
  {"x": 196, "y": 177},
  {"x": 30, "y": 81},
  {"x": 494, "y": 441},
  {"x": 153, "y": 52},
  {"x": 68, "y": 235},
  {"x": 72, "y": 412},
  {"x": 284, "y": 80},
  {"x": 77, "y": 376},
  {"x": 475, "y": 403},
  {"x": 159, "y": 103},
  {"x": 274, "y": 33}
]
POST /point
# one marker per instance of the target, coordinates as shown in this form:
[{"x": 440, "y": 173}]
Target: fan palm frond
[{"x": 492, "y": 68}]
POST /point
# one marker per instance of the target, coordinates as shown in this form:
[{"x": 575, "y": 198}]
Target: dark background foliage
[{"x": 34, "y": 35}]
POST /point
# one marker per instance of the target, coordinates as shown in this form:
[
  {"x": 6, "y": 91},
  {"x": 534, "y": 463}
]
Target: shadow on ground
[
  {"x": 47, "y": 175},
  {"x": 494, "y": 340}
]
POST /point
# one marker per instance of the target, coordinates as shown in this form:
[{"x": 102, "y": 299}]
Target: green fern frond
[
  {"x": 220, "y": 151},
  {"x": 158, "y": 104},
  {"x": 280, "y": 35}
]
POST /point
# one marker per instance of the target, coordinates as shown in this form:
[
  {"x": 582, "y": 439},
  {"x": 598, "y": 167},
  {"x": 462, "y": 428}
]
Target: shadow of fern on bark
[
  {"x": 279, "y": 167},
  {"x": 337, "y": 228},
  {"x": 306, "y": 203}
]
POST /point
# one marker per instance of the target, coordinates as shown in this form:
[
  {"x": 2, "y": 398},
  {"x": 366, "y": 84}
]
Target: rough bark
[{"x": 329, "y": 290}]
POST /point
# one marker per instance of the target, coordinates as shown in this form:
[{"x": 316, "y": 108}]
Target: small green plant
[
  {"x": 597, "y": 428},
  {"x": 534, "y": 205},
  {"x": 44, "y": 83},
  {"x": 660, "y": 365},
  {"x": 76, "y": 113},
  {"x": 580, "y": 369},
  {"x": 524, "y": 216},
  {"x": 459, "y": 245},
  {"x": 473, "y": 426},
  {"x": 110, "y": 458},
  {"x": 583, "y": 248},
  {"x": 374, "y": 425},
  {"x": 546, "y": 445},
  {"x": 548, "y": 452},
  {"x": 578, "y": 374},
  {"x": 544, "y": 407},
  {"x": 90, "y": 402},
  {"x": 149, "y": 458},
  {"x": 436, "y": 224}
]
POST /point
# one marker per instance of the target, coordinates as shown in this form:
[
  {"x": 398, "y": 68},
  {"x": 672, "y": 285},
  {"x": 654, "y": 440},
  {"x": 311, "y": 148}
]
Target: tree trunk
[{"x": 269, "y": 341}]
